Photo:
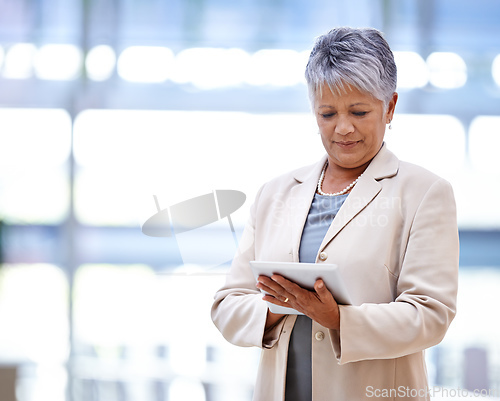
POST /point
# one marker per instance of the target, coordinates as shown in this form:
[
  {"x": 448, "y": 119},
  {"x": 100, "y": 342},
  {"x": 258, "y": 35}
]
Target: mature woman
[{"x": 390, "y": 226}]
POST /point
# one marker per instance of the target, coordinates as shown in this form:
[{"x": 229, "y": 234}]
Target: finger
[
  {"x": 273, "y": 284},
  {"x": 289, "y": 286},
  {"x": 261, "y": 286},
  {"x": 265, "y": 280},
  {"x": 275, "y": 292},
  {"x": 271, "y": 287},
  {"x": 279, "y": 300},
  {"x": 323, "y": 293}
]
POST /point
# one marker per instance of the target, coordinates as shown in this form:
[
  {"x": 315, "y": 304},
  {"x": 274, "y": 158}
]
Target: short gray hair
[{"x": 360, "y": 58}]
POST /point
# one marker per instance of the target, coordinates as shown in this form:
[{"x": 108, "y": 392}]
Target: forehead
[{"x": 345, "y": 95}]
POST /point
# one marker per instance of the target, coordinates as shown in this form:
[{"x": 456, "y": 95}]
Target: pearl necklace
[{"x": 345, "y": 190}]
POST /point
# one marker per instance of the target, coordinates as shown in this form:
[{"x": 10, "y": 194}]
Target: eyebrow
[{"x": 351, "y": 105}]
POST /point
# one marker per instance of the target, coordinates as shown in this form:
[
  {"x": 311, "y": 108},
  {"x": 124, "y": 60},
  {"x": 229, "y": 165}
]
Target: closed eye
[
  {"x": 327, "y": 115},
  {"x": 360, "y": 113}
]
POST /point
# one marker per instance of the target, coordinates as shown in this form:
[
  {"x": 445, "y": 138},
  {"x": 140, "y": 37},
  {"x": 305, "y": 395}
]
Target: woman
[{"x": 390, "y": 226}]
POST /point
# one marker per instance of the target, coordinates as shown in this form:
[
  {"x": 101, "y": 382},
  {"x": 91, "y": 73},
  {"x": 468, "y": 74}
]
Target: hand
[{"x": 319, "y": 305}]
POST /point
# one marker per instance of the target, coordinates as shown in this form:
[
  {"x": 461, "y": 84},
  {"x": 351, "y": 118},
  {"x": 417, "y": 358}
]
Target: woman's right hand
[{"x": 272, "y": 318}]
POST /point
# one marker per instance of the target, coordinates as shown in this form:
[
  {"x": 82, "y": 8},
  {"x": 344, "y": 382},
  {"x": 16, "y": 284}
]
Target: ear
[{"x": 391, "y": 107}]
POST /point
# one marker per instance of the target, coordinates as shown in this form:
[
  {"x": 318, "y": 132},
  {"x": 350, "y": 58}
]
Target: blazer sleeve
[
  {"x": 425, "y": 301},
  {"x": 238, "y": 310}
]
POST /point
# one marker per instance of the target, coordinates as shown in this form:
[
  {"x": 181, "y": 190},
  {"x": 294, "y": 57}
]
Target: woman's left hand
[{"x": 319, "y": 305}]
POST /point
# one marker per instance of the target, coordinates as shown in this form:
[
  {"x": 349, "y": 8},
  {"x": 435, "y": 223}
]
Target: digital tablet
[{"x": 305, "y": 275}]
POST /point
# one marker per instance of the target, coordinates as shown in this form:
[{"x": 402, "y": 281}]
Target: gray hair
[{"x": 360, "y": 58}]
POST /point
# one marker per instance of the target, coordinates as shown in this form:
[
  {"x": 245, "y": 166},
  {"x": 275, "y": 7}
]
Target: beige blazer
[{"x": 395, "y": 240}]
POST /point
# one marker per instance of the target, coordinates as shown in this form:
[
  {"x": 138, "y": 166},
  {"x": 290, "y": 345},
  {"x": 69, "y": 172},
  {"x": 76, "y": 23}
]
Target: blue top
[
  {"x": 323, "y": 210},
  {"x": 299, "y": 368}
]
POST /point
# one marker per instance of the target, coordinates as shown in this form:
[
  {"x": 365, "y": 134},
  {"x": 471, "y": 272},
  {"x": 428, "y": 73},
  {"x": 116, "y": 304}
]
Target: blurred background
[{"x": 106, "y": 104}]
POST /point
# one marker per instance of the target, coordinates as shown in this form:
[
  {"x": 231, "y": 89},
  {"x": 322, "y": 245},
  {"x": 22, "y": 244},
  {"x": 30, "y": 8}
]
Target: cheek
[
  {"x": 324, "y": 140},
  {"x": 373, "y": 130},
  {"x": 324, "y": 127}
]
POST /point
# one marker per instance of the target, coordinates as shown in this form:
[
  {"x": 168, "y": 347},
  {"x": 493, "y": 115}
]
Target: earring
[{"x": 390, "y": 125}]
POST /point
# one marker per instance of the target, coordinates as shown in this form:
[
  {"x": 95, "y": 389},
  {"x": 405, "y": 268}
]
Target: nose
[{"x": 344, "y": 125}]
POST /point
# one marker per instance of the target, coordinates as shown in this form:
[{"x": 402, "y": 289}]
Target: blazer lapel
[
  {"x": 362, "y": 194},
  {"x": 385, "y": 164},
  {"x": 301, "y": 196}
]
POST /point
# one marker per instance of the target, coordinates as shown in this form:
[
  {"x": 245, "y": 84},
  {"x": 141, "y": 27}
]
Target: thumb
[{"x": 322, "y": 291}]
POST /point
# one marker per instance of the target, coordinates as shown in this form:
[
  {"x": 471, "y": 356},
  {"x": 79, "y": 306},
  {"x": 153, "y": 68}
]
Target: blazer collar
[{"x": 384, "y": 165}]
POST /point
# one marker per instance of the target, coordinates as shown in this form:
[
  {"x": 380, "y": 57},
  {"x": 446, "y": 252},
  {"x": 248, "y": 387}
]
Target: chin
[{"x": 349, "y": 162}]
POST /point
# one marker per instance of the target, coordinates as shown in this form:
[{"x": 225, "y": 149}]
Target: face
[{"x": 351, "y": 125}]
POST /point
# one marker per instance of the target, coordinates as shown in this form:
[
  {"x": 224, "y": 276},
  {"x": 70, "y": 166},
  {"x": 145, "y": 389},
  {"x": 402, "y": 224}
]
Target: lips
[{"x": 347, "y": 144}]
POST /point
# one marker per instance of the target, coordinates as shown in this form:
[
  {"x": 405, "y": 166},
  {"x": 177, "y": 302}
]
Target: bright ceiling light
[
  {"x": 484, "y": 141},
  {"x": 38, "y": 137},
  {"x": 58, "y": 62},
  {"x": 145, "y": 64},
  {"x": 447, "y": 70},
  {"x": 279, "y": 67},
  {"x": 412, "y": 70},
  {"x": 209, "y": 68},
  {"x": 100, "y": 63},
  {"x": 412, "y": 134},
  {"x": 495, "y": 69},
  {"x": 19, "y": 61}
]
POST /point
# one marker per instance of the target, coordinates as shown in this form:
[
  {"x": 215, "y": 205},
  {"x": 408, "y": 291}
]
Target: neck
[
  {"x": 333, "y": 183},
  {"x": 337, "y": 173}
]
